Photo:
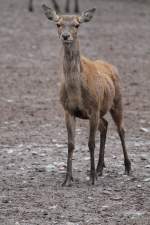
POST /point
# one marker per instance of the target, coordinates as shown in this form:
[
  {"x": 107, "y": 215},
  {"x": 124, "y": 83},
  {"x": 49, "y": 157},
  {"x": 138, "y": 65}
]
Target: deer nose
[{"x": 65, "y": 36}]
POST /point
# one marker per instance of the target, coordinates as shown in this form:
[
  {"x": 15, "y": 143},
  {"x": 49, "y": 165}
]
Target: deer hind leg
[
  {"x": 70, "y": 124},
  {"x": 117, "y": 116},
  {"x": 103, "y": 124},
  {"x": 93, "y": 127},
  {"x": 76, "y": 6}
]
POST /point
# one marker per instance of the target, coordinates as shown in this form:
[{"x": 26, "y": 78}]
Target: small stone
[
  {"x": 40, "y": 169},
  {"x": 45, "y": 213},
  {"x": 105, "y": 207},
  {"x": 147, "y": 179},
  {"x": 62, "y": 168},
  {"x": 60, "y": 145},
  {"x": 70, "y": 223},
  {"x": 9, "y": 151},
  {"x": 143, "y": 129},
  {"x": 10, "y": 100},
  {"x": 62, "y": 171},
  {"x": 17, "y": 223},
  {"x": 89, "y": 197},
  {"x": 116, "y": 198},
  {"x": 43, "y": 159},
  {"x": 51, "y": 168},
  {"x": 142, "y": 121},
  {"x": 143, "y": 157},
  {"x": 34, "y": 46},
  {"x": 53, "y": 207},
  {"x": 42, "y": 155},
  {"x": 24, "y": 181},
  {"x": 147, "y": 166},
  {"x": 107, "y": 192},
  {"x": 134, "y": 214},
  {"x": 54, "y": 141},
  {"x": 86, "y": 158},
  {"x": 34, "y": 153},
  {"x": 59, "y": 164},
  {"x": 113, "y": 137},
  {"x": 35, "y": 163},
  {"x": 5, "y": 201},
  {"x": 20, "y": 146},
  {"x": 87, "y": 178}
]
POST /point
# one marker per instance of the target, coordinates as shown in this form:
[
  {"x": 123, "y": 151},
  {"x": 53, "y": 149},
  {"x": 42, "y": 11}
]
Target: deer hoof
[
  {"x": 127, "y": 168},
  {"x": 99, "y": 171},
  {"x": 68, "y": 181},
  {"x": 93, "y": 178}
]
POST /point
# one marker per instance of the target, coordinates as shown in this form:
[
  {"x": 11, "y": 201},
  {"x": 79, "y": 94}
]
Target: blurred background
[{"x": 32, "y": 129}]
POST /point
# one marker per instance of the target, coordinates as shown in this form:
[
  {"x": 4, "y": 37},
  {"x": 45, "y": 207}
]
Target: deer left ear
[
  {"x": 87, "y": 15},
  {"x": 50, "y": 13}
]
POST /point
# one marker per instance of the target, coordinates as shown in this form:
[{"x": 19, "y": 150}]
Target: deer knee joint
[
  {"x": 70, "y": 146},
  {"x": 91, "y": 145}
]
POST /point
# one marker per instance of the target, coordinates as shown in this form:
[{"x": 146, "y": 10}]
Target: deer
[
  {"x": 56, "y": 6},
  {"x": 89, "y": 90}
]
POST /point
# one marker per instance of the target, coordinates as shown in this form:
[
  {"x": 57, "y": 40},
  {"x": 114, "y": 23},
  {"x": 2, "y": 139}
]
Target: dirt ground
[{"x": 33, "y": 140}]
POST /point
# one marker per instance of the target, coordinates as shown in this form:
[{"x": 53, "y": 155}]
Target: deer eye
[
  {"x": 58, "y": 25},
  {"x": 76, "y": 25}
]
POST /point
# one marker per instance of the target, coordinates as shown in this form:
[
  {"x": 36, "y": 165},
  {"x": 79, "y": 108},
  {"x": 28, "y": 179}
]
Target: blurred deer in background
[
  {"x": 89, "y": 90},
  {"x": 56, "y": 6}
]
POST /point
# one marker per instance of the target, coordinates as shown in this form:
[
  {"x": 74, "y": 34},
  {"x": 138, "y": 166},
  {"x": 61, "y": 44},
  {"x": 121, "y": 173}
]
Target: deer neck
[{"x": 72, "y": 66}]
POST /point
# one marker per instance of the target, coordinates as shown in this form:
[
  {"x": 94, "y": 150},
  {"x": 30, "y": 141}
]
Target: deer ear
[
  {"x": 87, "y": 15},
  {"x": 50, "y": 13}
]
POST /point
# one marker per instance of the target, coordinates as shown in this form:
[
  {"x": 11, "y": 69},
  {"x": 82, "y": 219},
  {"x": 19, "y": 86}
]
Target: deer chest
[{"x": 73, "y": 103}]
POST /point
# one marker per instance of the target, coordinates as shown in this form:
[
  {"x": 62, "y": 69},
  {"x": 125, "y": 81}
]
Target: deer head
[{"x": 68, "y": 24}]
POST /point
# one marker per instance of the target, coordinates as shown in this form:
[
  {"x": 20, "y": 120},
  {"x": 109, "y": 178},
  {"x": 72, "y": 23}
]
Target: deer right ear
[
  {"x": 50, "y": 13},
  {"x": 87, "y": 15}
]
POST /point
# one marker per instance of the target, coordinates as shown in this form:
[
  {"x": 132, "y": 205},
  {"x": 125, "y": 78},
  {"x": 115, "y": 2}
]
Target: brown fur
[
  {"x": 97, "y": 85},
  {"x": 89, "y": 90}
]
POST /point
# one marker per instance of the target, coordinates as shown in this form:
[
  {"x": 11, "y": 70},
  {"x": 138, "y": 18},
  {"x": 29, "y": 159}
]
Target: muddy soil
[{"x": 33, "y": 146}]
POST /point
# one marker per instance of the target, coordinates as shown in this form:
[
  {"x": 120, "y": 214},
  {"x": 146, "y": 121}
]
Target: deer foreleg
[
  {"x": 70, "y": 124},
  {"x": 93, "y": 127},
  {"x": 103, "y": 132}
]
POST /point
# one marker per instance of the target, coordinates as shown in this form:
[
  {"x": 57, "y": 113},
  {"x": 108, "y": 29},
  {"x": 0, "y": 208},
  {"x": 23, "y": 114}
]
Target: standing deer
[
  {"x": 89, "y": 90},
  {"x": 56, "y": 6}
]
